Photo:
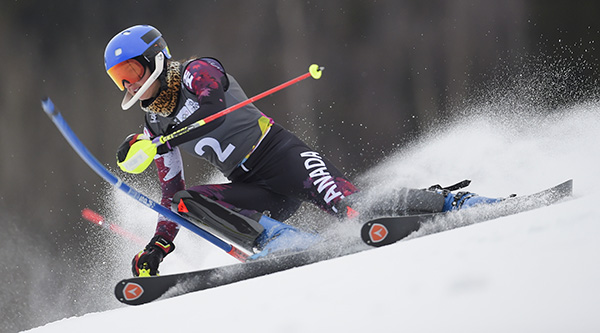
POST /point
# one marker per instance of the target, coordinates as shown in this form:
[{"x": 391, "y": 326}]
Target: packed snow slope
[{"x": 532, "y": 272}]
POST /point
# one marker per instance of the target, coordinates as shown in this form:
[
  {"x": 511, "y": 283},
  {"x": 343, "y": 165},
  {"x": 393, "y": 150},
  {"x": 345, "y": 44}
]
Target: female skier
[{"x": 271, "y": 171}]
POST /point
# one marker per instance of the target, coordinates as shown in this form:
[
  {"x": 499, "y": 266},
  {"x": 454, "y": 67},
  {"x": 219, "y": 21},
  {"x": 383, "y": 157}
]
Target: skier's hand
[
  {"x": 146, "y": 262},
  {"x": 136, "y": 153}
]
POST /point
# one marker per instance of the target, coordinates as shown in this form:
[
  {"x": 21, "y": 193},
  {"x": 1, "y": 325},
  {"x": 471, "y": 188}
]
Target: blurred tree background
[{"x": 393, "y": 68}]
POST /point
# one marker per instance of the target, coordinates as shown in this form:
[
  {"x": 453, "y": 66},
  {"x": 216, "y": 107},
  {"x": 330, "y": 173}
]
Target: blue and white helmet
[{"x": 143, "y": 43}]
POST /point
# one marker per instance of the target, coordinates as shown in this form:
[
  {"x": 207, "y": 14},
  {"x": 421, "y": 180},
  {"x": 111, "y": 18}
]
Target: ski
[
  {"x": 388, "y": 230},
  {"x": 141, "y": 290}
]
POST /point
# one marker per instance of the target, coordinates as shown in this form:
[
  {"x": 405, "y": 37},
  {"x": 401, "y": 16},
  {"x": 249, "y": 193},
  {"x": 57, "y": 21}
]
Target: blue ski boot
[
  {"x": 279, "y": 237},
  {"x": 462, "y": 200}
]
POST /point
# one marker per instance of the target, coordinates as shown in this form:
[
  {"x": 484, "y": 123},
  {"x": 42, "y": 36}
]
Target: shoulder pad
[{"x": 214, "y": 63}]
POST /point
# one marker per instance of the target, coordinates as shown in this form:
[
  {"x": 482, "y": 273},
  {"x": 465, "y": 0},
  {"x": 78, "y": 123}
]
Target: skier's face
[
  {"x": 128, "y": 71},
  {"x": 132, "y": 88}
]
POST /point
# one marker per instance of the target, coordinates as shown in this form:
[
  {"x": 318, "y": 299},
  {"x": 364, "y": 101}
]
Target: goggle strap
[{"x": 160, "y": 46}]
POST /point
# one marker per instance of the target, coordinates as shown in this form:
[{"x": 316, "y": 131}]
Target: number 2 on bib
[{"x": 222, "y": 155}]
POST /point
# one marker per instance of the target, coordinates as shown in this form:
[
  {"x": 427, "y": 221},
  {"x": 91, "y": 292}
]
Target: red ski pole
[{"x": 314, "y": 70}]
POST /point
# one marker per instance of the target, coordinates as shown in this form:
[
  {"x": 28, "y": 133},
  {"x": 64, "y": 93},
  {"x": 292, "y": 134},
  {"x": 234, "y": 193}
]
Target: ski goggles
[{"x": 129, "y": 70}]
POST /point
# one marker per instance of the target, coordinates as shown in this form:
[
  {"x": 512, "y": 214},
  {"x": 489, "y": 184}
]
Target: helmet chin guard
[{"x": 128, "y": 100}]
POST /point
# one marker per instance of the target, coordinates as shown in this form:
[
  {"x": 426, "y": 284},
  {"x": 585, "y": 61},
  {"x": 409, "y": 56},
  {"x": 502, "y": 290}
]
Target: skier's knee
[{"x": 347, "y": 207}]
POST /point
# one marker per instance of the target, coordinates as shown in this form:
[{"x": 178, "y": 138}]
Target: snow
[{"x": 532, "y": 272}]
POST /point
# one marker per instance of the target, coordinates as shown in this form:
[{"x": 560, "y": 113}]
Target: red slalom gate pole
[{"x": 99, "y": 220}]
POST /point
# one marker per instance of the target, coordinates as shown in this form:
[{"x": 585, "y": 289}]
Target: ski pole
[
  {"x": 93, "y": 163},
  {"x": 142, "y": 152},
  {"x": 99, "y": 220}
]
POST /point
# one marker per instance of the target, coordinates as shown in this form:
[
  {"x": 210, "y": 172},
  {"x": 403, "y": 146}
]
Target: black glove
[
  {"x": 124, "y": 147},
  {"x": 146, "y": 262}
]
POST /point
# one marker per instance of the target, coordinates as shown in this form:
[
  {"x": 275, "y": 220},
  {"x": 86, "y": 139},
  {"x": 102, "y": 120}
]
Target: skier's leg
[
  {"x": 287, "y": 166},
  {"x": 407, "y": 201},
  {"x": 404, "y": 201},
  {"x": 249, "y": 199},
  {"x": 218, "y": 219},
  {"x": 252, "y": 232}
]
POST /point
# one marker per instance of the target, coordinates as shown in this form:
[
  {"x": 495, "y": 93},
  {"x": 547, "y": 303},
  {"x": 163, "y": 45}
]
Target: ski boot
[
  {"x": 278, "y": 238},
  {"x": 463, "y": 200},
  {"x": 460, "y": 200}
]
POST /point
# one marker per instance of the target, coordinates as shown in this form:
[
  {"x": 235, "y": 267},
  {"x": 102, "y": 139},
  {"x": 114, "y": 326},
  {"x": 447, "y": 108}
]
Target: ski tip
[
  {"x": 130, "y": 293},
  {"x": 568, "y": 185},
  {"x": 564, "y": 189}
]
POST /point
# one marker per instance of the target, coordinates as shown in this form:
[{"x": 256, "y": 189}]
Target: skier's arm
[
  {"x": 206, "y": 79},
  {"x": 170, "y": 176},
  {"x": 208, "y": 84}
]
